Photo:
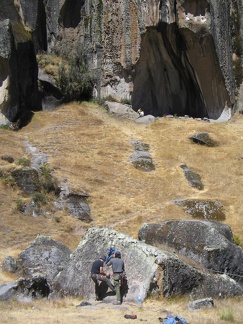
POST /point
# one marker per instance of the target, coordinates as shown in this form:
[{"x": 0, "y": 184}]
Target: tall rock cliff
[{"x": 164, "y": 56}]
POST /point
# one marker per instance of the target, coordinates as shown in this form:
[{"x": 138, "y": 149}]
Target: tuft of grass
[
  {"x": 39, "y": 198},
  {"x": 227, "y": 315},
  {"x": 24, "y": 162},
  {"x": 20, "y": 205},
  {"x": 237, "y": 240}
]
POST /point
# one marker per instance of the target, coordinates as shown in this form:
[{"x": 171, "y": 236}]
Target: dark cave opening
[
  {"x": 70, "y": 15},
  {"x": 178, "y": 74}
]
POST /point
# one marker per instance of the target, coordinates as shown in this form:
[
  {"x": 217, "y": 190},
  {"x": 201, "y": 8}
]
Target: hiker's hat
[{"x": 103, "y": 257}]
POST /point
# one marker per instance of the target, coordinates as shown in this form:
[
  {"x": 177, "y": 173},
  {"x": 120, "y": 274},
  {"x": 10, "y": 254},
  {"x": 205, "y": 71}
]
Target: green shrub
[
  {"x": 20, "y": 205},
  {"x": 237, "y": 240},
  {"x": 24, "y": 162},
  {"x": 39, "y": 198},
  {"x": 74, "y": 78},
  {"x": 48, "y": 183},
  {"x": 6, "y": 127}
]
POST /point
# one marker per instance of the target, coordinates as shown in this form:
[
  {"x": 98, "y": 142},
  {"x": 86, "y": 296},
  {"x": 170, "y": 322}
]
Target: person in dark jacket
[
  {"x": 98, "y": 274},
  {"x": 118, "y": 269}
]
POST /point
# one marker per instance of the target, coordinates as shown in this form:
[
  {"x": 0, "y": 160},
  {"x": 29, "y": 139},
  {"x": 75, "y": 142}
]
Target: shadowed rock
[
  {"x": 192, "y": 177},
  {"x": 202, "y": 209},
  {"x": 204, "y": 242},
  {"x": 25, "y": 289},
  {"x": 203, "y": 139},
  {"x": 27, "y": 179},
  {"x": 7, "y": 158}
]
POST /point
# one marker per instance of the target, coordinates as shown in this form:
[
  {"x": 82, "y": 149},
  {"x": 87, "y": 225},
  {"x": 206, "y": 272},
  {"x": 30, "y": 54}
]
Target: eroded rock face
[
  {"x": 165, "y": 57},
  {"x": 18, "y": 67}
]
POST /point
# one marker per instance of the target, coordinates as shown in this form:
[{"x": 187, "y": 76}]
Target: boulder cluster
[{"x": 189, "y": 257}]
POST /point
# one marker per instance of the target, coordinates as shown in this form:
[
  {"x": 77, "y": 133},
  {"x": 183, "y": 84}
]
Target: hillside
[{"x": 91, "y": 148}]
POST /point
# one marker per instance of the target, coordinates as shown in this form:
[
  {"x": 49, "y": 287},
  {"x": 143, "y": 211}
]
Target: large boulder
[
  {"x": 45, "y": 257},
  {"x": 149, "y": 270},
  {"x": 205, "y": 242}
]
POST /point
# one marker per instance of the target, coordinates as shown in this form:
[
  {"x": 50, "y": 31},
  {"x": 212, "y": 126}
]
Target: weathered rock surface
[
  {"x": 201, "y": 304},
  {"x": 27, "y": 179},
  {"x": 45, "y": 257},
  {"x": 149, "y": 270},
  {"x": 203, "y": 139},
  {"x": 76, "y": 202},
  {"x": 192, "y": 177},
  {"x": 141, "y": 157},
  {"x": 202, "y": 209},
  {"x": 50, "y": 271},
  {"x": 207, "y": 243}
]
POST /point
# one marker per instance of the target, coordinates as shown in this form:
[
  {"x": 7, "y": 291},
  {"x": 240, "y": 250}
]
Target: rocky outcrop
[
  {"x": 149, "y": 270},
  {"x": 166, "y": 57},
  {"x": 207, "y": 243}
]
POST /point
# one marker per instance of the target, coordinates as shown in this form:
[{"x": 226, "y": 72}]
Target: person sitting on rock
[
  {"x": 140, "y": 112},
  {"x": 118, "y": 269},
  {"x": 98, "y": 274}
]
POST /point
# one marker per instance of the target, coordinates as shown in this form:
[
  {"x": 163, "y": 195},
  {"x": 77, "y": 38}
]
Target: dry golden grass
[
  {"x": 66, "y": 311},
  {"x": 91, "y": 148}
]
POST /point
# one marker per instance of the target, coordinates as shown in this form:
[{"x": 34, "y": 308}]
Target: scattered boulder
[
  {"x": 9, "y": 264},
  {"x": 7, "y": 158},
  {"x": 192, "y": 177},
  {"x": 27, "y": 180},
  {"x": 44, "y": 256},
  {"x": 201, "y": 304},
  {"x": 78, "y": 206},
  {"x": 75, "y": 202},
  {"x": 213, "y": 245},
  {"x": 203, "y": 139},
  {"x": 202, "y": 209},
  {"x": 148, "y": 119},
  {"x": 121, "y": 110},
  {"x": 141, "y": 158}
]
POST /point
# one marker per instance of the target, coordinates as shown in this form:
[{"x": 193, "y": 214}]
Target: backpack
[
  {"x": 170, "y": 320},
  {"x": 180, "y": 320},
  {"x": 174, "y": 320}
]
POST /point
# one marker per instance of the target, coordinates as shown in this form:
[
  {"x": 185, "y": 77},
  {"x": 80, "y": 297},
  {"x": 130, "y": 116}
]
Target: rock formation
[
  {"x": 166, "y": 57},
  {"x": 149, "y": 270},
  {"x": 212, "y": 247}
]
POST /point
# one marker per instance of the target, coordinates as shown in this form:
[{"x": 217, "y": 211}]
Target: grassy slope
[{"x": 90, "y": 148}]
